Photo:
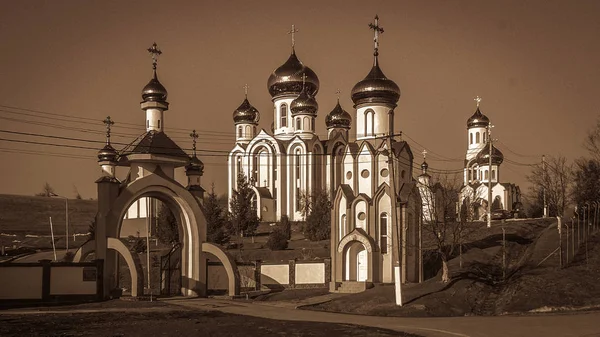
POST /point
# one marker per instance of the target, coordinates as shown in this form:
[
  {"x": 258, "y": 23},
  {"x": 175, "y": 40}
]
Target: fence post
[
  {"x": 257, "y": 274},
  {"x": 45, "y": 279},
  {"x": 292, "y": 264}
]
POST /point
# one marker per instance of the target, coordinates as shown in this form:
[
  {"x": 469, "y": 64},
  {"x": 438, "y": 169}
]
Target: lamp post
[{"x": 66, "y": 218}]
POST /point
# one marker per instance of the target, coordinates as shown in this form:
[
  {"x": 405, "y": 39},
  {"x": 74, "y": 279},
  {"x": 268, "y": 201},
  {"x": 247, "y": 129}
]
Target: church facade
[
  {"x": 376, "y": 215},
  {"x": 480, "y": 171}
]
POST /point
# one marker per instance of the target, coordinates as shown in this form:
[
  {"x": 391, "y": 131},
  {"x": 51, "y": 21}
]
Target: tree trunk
[{"x": 445, "y": 273}]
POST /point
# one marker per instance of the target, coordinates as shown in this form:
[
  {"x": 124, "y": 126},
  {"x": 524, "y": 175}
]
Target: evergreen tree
[
  {"x": 318, "y": 218},
  {"x": 167, "y": 230},
  {"x": 216, "y": 222},
  {"x": 244, "y": 220}
]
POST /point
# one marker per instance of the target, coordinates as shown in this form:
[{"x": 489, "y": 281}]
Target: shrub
[
  {"x": 286, "y": 226},
  {"x": 69, "y": 256},
  {"x": 277, "y": 240},
  {"x": 139, "y": 245}
]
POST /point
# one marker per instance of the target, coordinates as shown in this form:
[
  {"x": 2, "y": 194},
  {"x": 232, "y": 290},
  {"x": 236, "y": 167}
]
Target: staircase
[{"x": 351, "y": 287}]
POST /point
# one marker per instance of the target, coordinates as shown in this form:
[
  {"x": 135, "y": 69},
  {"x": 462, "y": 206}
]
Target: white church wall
[
  {"x": 383, "y": 173},
  {"x": 361, "y": 215},
  {"x": 288, "y": 128},
  {"x": 342, "y": 219},
  {"x": 384, "y": 206},
  {"x": 349, "y": 170},
  {"x": 371, "y": 121},
  {"x": 365, "y": 168}
]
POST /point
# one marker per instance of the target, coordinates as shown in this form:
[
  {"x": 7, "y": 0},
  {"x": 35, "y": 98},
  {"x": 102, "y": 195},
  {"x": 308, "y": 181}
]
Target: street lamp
[{"x": 52, "y": 194}]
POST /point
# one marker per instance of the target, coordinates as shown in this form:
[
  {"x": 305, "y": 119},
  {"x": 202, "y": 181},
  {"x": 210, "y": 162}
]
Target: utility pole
[
  {"x": 544, "y": 185},
  {"x": 503, "y": 253},
  {"x": 560, "y": 257},
  {"x": 489, "y": 210},
  {"x": 394, "y": 213}
]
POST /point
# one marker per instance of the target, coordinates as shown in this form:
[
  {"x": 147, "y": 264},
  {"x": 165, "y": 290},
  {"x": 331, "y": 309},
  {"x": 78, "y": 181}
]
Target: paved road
[
  {"x": 564, "y": 325},
  {"x": 49, "y": 255}
]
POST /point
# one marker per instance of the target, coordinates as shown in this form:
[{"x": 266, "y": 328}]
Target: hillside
[{"x": 24, "y": 220}]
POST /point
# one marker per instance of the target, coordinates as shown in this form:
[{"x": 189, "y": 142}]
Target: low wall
[
  {"x": 46, "y": 281},
  {"x": 294, "y": 274}
]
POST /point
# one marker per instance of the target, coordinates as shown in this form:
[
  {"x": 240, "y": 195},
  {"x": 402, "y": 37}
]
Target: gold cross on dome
[
  {"x": 194, "y": 137},
  {"x": 108, "y": 122},
  {"x": 246, "y": 87},
  {"x": 293, "y": 32},
  {"x": 478, "y": 100},
  {"x": 376, "y": 30},
  {"x": 154, "y": 53}
]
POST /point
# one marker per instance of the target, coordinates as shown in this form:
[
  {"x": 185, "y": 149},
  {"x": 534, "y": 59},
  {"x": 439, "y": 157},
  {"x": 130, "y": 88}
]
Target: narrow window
[
  {"x": 312, "y": 124},
  {"x": 239, "y": 132},
  {"x": 159, "y": 123},
  {"x": 298, "y": 164},
  {"x": 343, "y": 226},
  {"x": 493, "y": 174},
  {"x": 484, "y": 134},
  {"x": 470, "y": 138},
  {"x": 383, "y": 233},
  {"x": 283, "y": 115},
  {"x": 486, "y": 174},
  {"x": 298, "y": 123},
  {"x": 477, "y": 138}
]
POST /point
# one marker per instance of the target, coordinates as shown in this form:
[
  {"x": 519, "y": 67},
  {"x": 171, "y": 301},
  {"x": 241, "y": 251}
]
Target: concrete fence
[
  {"x": 256, "y": 275},
  {"x": 46, "y": 281}
]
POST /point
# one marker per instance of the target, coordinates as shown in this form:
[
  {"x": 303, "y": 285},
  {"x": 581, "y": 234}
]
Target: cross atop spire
[
  {"x": 194, "y": 137},
  {"x": 376, "y": 30},
  {"x": 478, "y": 100},
  {"x": 246, "y": 87},
  {"x": 424, "y": 154},
  {"x": 338, "y": 92},
  {"x": 108, "y": 122},
  {"x": 154, "y": 53},
  {"x": 293, "y": 32}
]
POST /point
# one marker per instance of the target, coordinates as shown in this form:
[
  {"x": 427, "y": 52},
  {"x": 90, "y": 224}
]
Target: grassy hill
[
  {"x": 534, "y": 280},
  {"x": 24, "y": 220}
]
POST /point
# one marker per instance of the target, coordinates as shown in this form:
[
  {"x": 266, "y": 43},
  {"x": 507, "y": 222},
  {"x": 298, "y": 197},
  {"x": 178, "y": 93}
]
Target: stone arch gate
[{"x": 114, "y": 198}]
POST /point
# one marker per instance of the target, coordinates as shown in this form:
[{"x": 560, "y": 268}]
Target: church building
[{"x": 480, "y": 171}]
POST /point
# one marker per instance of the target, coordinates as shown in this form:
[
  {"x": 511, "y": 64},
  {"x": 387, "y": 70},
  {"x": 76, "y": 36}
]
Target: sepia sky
[{"x": 66, "y": 65}]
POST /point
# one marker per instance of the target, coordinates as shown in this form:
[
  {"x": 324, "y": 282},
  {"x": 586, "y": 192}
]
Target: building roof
[{"x": 154, "y": 142}]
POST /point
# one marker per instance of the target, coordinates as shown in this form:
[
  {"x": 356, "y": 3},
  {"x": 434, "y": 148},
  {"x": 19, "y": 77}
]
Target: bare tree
[
  {"x": 442, "y": 231},
  {"x": 592, "y": 142},
  {"x": 47, "y": 191},
  {"x": 554, "y": 180}
]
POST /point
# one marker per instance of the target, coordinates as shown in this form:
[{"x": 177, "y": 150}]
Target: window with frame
[
  {"x": 283, "y": 115},
  {"x": 477, "y": 138},
  {"x": 239, "y": 132},
  {"x": 298, "y": 124},
  {"x": 383, "y": 233},
  {"x": 470, "y": 138}
]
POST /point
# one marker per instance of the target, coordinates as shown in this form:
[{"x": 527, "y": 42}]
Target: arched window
[
  {"x": 486, "y": 174},
  {"x": 383, "y": 233},
  {"x": 470, "y": 138},
  {"x": 239, "y": 132},
  {"x": 369, "y": 122},
  {"x": 298, "y": 181},
  {"x": 248, "y": 131},
  {"x": 477, "y": 138},
  {"x": 484, "y": 134},
  {"x": 239, "y": 166},
  {"x": 312, "y": 124},
  {"x": 470, "y": 175},
  {"x": 283, "y": 115},
  {"x": 493, "y": 174},
  {"x": 298, "y": 124}
]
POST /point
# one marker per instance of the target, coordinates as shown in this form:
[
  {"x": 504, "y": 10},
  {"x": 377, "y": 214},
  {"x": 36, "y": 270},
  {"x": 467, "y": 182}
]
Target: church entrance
[
  {"x": 362, "y": 266},
  {"x": 357, "y": 263}
]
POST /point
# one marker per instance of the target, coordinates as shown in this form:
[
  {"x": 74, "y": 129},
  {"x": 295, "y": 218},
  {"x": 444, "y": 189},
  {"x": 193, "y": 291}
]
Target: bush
[
  {"x": 277, "y": 240},
  {"x": 139, "y": 245},
  {"x": 69, "y": 256}
]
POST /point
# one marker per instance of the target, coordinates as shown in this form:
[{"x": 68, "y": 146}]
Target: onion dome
[
  {"x": 154, "y": 90},
  {"x": 483, "y": 157},
  {"x": 304, "y": 104},
  {"x": 424, "y": 166},
  {"x": 108, "y": 153},
  {"x": 287, "y": 79},
  {"x": 478, "y": 120},
  {"x": 194, "y": 166},
  {"x": 338, "y": 118},
  {"x": 246, "y": 113},
  {"x": 375, "y": 88}
]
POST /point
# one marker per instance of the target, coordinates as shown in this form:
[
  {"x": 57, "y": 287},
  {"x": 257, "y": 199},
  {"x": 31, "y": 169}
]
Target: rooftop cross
[
  {"x": 108, "y": 122},
  {"x": 377, "y": 30},
  {"x": 424, "y": 154},
  {"x": 292, "y": 32},
  {"x": 246, "y": 87},
  {"x": 194, "y": 137},
  {"x": 154, "y": 53},
  {"x": 478, "y": 100},
  {"x": 338, "y": 92}
]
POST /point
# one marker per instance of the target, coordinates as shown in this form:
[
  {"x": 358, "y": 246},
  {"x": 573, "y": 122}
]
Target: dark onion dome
[
  {"x": 246, "y": 113},
  {"x": 338, "y": 118},
  {"x": 154, "y": 90},
  {"x": 287, "y": 79},
  {"x": 375, "y": 88},
  {"x": 304, "y": 104},
  {"x": 478, "y": 120},
  {"x": 424, "y": 166},
  {"x": 194, "y": 167},
  {"x": 483, "y": 157},
  {"x": 108, "y": 153}
]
